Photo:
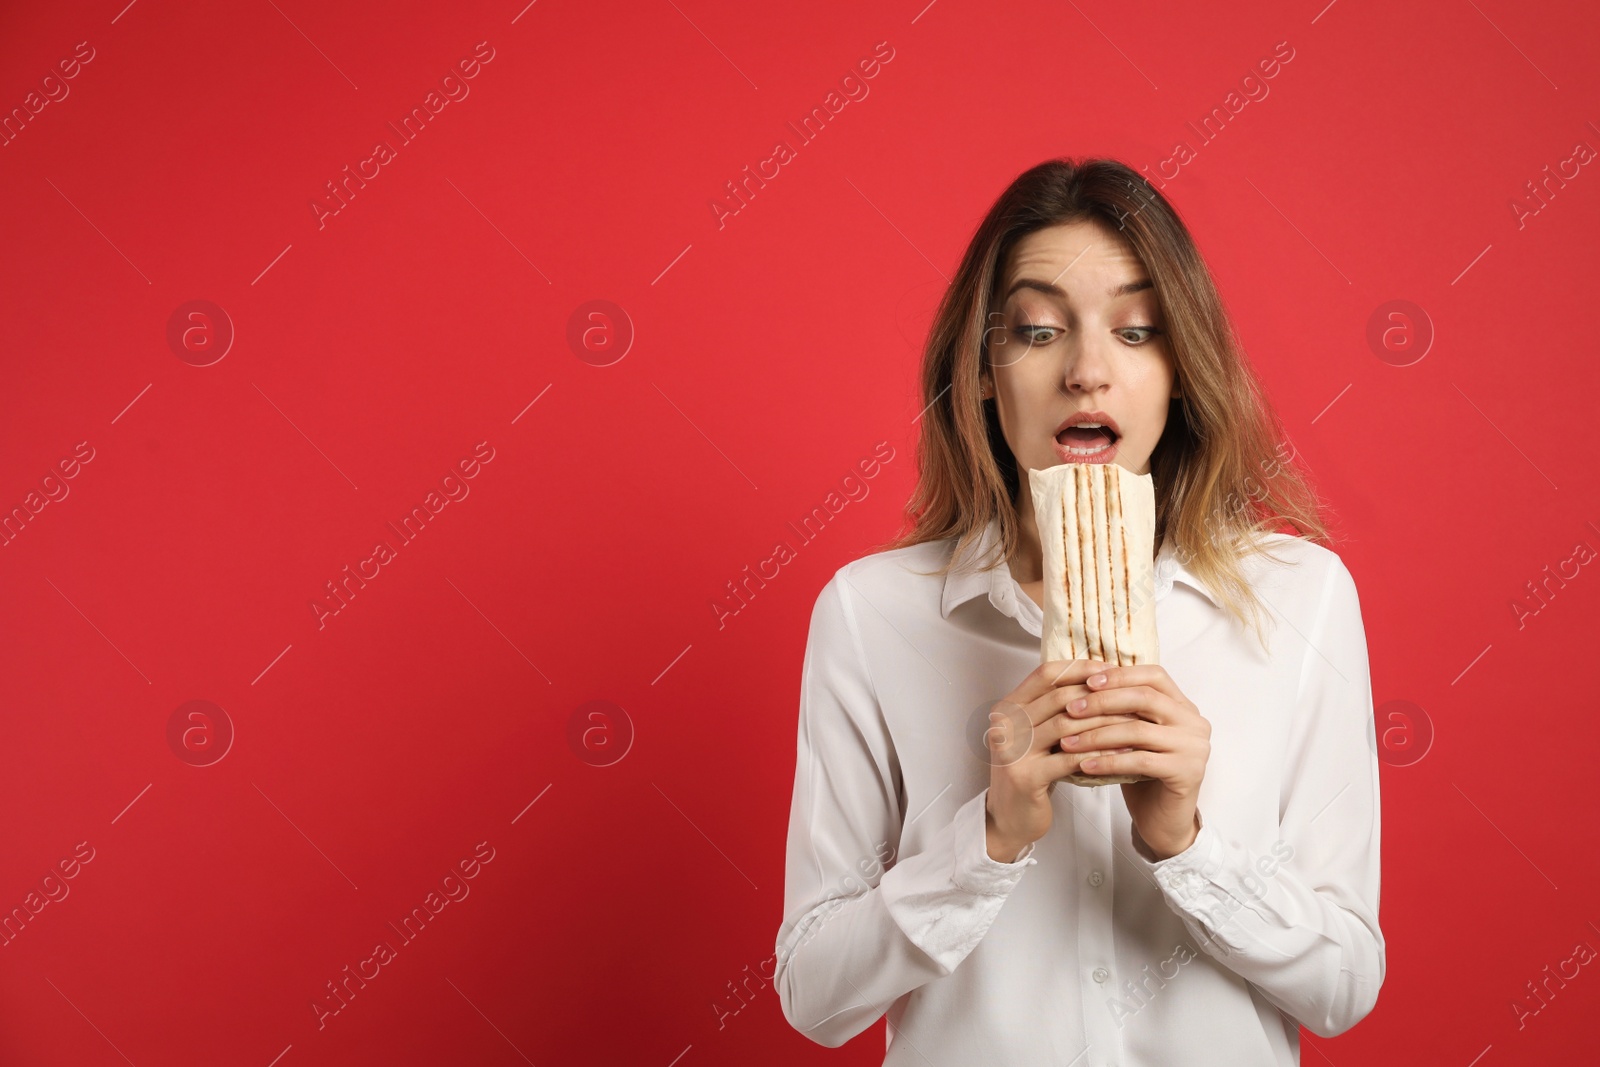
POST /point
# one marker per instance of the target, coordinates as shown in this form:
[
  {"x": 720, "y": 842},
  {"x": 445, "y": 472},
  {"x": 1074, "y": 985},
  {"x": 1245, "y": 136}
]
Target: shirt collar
[{"x": 971, "y": 578}]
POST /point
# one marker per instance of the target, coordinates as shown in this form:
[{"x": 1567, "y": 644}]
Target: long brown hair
[{"x": 1221, "y": 476}]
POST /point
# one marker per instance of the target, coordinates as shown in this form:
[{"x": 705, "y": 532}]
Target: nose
[{"x": 1088, "y": 366}]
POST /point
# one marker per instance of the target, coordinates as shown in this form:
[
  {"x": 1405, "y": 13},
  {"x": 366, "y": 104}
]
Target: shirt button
[
  {"x": 1101, "y": 974},
  {"x": 1095, "y": 878}
]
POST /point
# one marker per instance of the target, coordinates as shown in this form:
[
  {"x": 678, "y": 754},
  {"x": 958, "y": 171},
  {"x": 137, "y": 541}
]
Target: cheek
[
  {"x": 1158, "y": 425},
  {"x": 1006, "y": 353},
  {"x": 1033, "y": 396},
  {"x": 1018, "y": 386},
  {"x": 1154, "y": 390},
  {"x": 1152, "y": 399}
]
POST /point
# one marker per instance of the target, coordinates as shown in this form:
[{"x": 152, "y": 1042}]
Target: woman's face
[{"x": 1076, "y": 328}]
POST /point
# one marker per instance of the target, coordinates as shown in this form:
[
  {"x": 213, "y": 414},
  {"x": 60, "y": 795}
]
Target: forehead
[{"x": 1071, "y": 252}]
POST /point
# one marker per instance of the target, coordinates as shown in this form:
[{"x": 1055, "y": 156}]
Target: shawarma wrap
[{"x": 1097, "y": 525}]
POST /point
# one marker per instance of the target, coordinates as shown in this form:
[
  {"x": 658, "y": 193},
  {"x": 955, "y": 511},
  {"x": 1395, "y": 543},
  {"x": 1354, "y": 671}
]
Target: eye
[
  {"x": 1025, "y": 332},
  {"x": 1139, "y": 329}
]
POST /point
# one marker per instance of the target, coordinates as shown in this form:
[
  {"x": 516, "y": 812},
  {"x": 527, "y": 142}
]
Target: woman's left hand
[{"x": 1170, "y": 741}]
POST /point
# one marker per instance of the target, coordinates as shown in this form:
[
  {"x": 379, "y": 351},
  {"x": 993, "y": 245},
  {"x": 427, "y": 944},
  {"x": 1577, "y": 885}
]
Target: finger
[
  {"x": 1061, "y": 698},
  {"x": 1054, "y": 700},
  {"x": 1058, "y": 765},
  {"x": 1137, "y": 734},
  {"x": 1139, "y": 700},
  {"x": 1151, "y": 674},
  {"x": 1053, "y": 673},
  {"x": 1013, "y": 732},
  {"x": 1139, "y": 761},
  {"x": 1048, "y": 734},
  {"x": 1064, "y": 725},
  {"x": 1009, "y": 736}
]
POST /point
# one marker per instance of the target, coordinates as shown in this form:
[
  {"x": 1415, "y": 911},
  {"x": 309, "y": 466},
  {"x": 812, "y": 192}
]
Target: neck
[{"x": 1027, "y": 562}]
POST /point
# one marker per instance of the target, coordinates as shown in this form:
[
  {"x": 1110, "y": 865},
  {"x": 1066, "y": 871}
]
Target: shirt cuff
[
  {"x": 945, "y": 897},
  {"x": 975, "y": 870},
  {"x": 1184, "y": 876}
]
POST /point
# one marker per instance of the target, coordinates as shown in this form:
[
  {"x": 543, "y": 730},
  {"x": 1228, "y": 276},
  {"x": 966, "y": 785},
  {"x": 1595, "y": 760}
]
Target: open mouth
[{"x": 1086, "y": 439}]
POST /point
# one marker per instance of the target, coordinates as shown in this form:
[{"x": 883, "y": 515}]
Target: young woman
[{"x": 939, "y": 871}]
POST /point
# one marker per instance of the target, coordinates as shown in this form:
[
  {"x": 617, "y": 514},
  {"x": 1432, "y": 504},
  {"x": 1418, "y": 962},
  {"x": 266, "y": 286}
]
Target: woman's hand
[
  {"x": 1024, "y": 757},
  {"x": 1168, "y": 739}
]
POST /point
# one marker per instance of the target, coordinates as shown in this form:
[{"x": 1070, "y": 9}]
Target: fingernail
[
  {"x": 1098, "y": 679},
  {"x": 1079, "y": 704}
]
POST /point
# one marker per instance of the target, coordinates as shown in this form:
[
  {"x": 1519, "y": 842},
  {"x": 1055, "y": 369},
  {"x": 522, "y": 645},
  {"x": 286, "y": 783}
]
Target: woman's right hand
[{"x": 1024, "y": 733}]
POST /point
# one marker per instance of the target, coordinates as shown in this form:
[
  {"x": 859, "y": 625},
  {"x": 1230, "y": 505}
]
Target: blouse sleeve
[
  {"x": 863, "y": 926},
  {"x": 1300, "y": 921}
]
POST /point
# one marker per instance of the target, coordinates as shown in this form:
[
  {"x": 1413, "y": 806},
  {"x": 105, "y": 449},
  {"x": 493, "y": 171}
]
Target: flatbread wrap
[{"x": 1097, "y": 524}]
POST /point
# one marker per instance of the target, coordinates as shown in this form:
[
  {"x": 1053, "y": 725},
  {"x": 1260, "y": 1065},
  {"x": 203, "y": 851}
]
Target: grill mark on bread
[
  {"x": 1066, "y": 572},
  {"x": 1086, "y": 564},
  {"x": 1122, "y": 559},
  {"x": 1097, "y": 520},
  {"x": 1091, "y": 569},
  {"x": 1098, "y": 515},
  {"x": 1080, "y": 614}
]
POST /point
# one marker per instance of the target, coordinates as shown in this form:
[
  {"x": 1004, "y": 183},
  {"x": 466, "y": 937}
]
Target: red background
[{"x": 769, "y": 355}]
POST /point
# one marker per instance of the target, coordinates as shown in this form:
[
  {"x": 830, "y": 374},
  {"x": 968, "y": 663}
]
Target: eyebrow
[{"x": 1125, "y": 289}]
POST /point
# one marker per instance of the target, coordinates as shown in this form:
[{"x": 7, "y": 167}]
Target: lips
[
  {"x": 1087, "y": 437},
  {"x": 1092, "y": 438},
  {"x": 1072, "y": 454}
]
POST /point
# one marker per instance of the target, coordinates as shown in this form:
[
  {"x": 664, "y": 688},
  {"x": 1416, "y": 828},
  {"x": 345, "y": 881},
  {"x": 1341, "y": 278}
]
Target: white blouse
[{"x": 1101, "y": 957}]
